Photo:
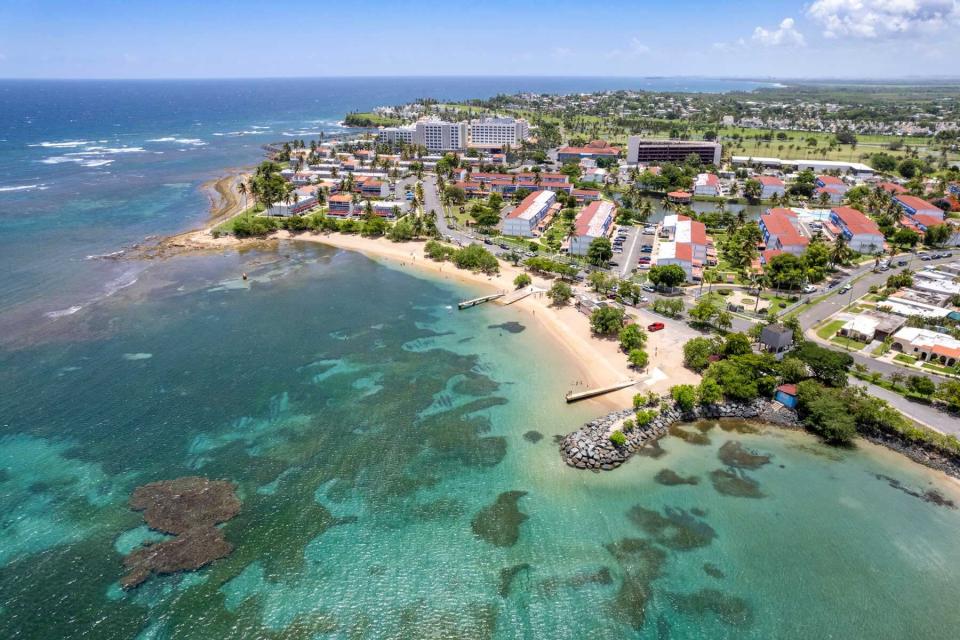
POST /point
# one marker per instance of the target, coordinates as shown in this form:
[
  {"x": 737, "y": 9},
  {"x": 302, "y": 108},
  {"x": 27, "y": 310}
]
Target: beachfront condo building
[
  {"x": 684, "y": 244},
  {"x": 780, "y": 228},
  {"x": 397, "y": 135},
  {"x": 524, "y": 219},
  {"x": 591, "y": 223},
  {"x": 648, "y": 151},
  {"x": 497, "y": 133}
]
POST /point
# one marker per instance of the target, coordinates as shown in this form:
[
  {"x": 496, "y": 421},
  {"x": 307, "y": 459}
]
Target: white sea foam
[
  {"x": 68, "y": 144},
  {"x": 24, "y": 187},
  {"x": 137, "y": 356},
  {"x": 95, "y": 163},
  {"x": 95, "y": 150},
  {"x": 63, "y": 312},
  {"x": 197, "y": 142}
]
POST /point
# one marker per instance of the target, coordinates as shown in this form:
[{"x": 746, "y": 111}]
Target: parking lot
[{"x": 632, "y": 248}]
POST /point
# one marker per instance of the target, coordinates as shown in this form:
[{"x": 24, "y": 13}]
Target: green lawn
[
  {"x": 848, "y": 343},
  {"x": 904, "y": 358},
  {"x": 939, "y": 368},
  {"x": 829, "y": 330},
  {"x": 227, "y": 227}
]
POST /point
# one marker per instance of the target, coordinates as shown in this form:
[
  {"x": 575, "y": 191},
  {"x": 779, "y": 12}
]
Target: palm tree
[
  {"x": 242, "y": 188},
  {"x": 840, "y": 251}
]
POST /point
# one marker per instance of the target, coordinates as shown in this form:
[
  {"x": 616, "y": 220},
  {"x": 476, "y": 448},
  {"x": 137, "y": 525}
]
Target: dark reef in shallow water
[
  {"x": 641, "y": 562},
  {"x": 675, "y": 529},
  {"x": 734, "y": 454},
  {"x": 730, "y": 610},
  {"x": 930, "y": 495},
  {"x": 670, "y": 478},
  {"x": 533, "y": 436},
  {"x": 511, "y": 327},
  {"x": 652, "y": 450},
  {"x": 601, "y": 576},
  {"x": 508, "y": 575},
  {"x": 188, "y": 508},
  {"x": 499, "y": 523},
  {"x": 734, "y": 482},
  {"x": 713, "y": 571},
  {"x": 690, "y": 437}
]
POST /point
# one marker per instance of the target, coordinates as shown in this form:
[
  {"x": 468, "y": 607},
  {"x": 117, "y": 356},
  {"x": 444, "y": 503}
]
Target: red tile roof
[
  {"x": 789, "y": 389},
  {"x": 778, "y": 223},
  {"x": 831, "y": 180},
  {"x": 684, "y": 251},
  {"x": 698, "y": 233},
  {"x": 927, "y": 221},
  {"x": 856, "y": 222},
  {"x": 770, "y": 181},
  {"x": 918, "y": 204},
  {"x": 591, "y": 211},
  {"x": 892, "y": 187}
]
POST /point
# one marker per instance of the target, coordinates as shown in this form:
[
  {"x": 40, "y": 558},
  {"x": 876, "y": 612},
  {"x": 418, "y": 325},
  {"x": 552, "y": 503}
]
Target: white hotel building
[
  {"x": 592, "y": 223},
  {"x": 434, "y": 135},
  {"x": 498, "y": 132}
]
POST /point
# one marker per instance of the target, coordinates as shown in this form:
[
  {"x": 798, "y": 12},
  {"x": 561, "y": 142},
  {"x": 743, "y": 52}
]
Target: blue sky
[{"x": 773, "y": 38}]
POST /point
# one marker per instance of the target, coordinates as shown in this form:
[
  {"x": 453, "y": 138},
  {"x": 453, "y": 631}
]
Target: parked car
[
  {"x": 487, "y": 241},
  {"x": 809, "y": 288},
  {"x": 649, "y": 287},
  {"x": 656, "y": 326},
  {"x": 902, "y": 263},
  {"x": 846, "y": 288}
]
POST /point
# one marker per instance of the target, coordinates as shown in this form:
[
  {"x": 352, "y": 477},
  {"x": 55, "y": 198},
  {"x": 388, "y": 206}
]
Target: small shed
[{"x": 786, "y": 395}]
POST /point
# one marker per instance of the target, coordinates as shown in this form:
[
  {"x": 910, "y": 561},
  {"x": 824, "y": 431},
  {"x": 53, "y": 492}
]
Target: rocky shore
[{"x": 589, "y": 447}]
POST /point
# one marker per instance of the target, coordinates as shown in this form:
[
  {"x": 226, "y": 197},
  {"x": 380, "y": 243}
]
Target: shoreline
[{"x": 597, "y": 362}]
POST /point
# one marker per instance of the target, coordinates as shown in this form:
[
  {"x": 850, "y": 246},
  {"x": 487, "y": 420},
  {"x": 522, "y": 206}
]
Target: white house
[
  {"x": 927, "y": 345},
  {"x": 706, "y": 184},
  {"x": 772, "y": 185},
  {"x": 862, "y": 234}
]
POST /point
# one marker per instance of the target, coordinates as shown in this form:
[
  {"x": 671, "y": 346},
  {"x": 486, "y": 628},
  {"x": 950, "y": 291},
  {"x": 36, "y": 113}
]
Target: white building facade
[{"x": 498, "y": 132}]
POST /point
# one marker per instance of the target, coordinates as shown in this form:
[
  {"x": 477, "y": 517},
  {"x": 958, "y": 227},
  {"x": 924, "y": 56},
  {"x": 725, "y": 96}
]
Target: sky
[{"x": 720, "y": 38}]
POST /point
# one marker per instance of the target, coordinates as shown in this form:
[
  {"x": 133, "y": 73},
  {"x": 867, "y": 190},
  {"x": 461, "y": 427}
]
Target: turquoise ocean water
[{"x": 396, "y": 464}]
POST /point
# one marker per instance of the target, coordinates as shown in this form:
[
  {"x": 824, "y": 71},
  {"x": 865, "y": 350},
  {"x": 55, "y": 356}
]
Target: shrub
[
  {"x": 645, "y": 417},
  {"x": 628, "y": 425},
  {"x": 522, "y": 280},
  {"x": 618, "y": 439},
  {"x": 560, "y": 293},
  {"x": 684, "y": 395}
]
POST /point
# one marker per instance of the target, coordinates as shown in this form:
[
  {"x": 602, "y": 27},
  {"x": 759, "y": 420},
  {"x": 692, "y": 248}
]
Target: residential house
[
  {"x": 772, "y": 186},
  {"x": 927, "y": 345}
]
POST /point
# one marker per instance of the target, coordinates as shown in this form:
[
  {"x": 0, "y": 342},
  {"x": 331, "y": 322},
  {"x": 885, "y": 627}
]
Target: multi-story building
[
  {"x": 772, "y": 185},
  {"x": 914, "y": 206},
  {"x": 437, "y": 135},
  {"x": 685, "y": 245},
  {"x": 706, "y": 184},
  {"x": 497, "y": 133},
  {"x": 305, "y": 198},
  {"x": 524, "y": 219},
  {"x": 647, "y": 151},
  {"x": 340, "y": 205},
  {"x": 861, "y": 232},
  {"x": 397, "y": 135},
  {"x": 780, "y": 233},
  {"x": 593, "y": 150},
  {"x": 591, "y": 223}
]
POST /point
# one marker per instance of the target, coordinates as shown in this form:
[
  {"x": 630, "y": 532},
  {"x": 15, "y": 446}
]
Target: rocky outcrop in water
[
  {"x": 589, "y": 447},
  {"x": 188, "y": 508}
]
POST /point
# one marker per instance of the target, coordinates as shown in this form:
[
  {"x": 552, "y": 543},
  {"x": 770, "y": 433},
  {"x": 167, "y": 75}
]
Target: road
[{"x": 922, "y": 413}]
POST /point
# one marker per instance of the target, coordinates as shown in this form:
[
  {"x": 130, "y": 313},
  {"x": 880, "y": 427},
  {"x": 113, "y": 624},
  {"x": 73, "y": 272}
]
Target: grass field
[
  {"x": 829, "y": 330},
  {"x": 902, "y": 357}
]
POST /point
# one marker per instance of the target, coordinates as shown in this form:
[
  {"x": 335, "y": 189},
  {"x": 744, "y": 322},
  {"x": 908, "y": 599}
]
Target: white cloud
[
  {"x": 785, "y": 34},
  {"x": 883, "y": 18},
  {"x": 635, "y": 48}
]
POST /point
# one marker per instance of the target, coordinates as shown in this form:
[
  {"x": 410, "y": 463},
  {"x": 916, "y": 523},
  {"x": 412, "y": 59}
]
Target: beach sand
[{"x": 596, "y": 361}]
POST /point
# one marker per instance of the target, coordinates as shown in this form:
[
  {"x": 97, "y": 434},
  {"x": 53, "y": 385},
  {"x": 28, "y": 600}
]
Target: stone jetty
[{"x": 589, "y": 447}]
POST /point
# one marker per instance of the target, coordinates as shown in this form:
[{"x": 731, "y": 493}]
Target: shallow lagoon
[{"x": 390, "y": 488}]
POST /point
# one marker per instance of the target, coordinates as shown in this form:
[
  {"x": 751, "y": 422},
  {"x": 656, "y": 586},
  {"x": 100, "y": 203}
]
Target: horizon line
[{"x": 749, "y": 78}]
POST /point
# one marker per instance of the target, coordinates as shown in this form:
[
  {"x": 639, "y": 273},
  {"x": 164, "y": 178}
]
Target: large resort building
[
  {"x": 862, "y": 234},
  {"x": 647, "y": 151},
  {"x": 591, "y": 223},
  {"x": 780, "y": 232},
  {"x": 497, "y": 133},
  {"x": 524, "y": 219}
]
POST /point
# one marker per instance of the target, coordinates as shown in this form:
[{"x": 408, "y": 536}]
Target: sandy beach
[{"x": 598, "y": 362}]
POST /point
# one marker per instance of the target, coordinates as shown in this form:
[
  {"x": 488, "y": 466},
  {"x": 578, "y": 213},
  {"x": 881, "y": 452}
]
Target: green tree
[
  {"x": 632, "y": 337},
  {"x": 599, "y": 252},
  {"x": 703, "y": 311},
  {"x": 825, "y": 413},
  {"x": 697, "y": 352},
  {"x": 599, "y": 281},
  {"x": 921, "y": 385},
  {"x": 828, "y": 366},
  {"x": 736, "y": 344},
  {"x": 669, "y": 276},
  {"x": 560, "y": 293},
  {"x": 522, "y": 280},
  {"x": 709, "y": 392},
  {"x": 607, "y": 321}
]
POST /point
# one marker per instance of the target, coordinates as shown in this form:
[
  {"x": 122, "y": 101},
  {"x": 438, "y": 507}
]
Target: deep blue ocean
[{"x": 395, "y": 459}]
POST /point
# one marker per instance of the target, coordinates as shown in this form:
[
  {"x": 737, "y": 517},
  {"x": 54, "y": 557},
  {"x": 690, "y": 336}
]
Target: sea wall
[{"x": 589, "y": 447}]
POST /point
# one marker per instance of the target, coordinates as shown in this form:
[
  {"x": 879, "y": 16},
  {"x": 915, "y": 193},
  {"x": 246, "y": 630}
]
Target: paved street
[{"x": 922, "y": 413}]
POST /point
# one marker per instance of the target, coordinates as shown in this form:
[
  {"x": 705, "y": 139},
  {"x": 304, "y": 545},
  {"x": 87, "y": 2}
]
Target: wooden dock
[
  {"x": 598, "y": 391},
  {"x": 466, "y": 304}
]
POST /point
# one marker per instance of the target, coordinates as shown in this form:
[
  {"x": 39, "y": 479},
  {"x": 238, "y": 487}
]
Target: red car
[{"x": 656, "y": 326}]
